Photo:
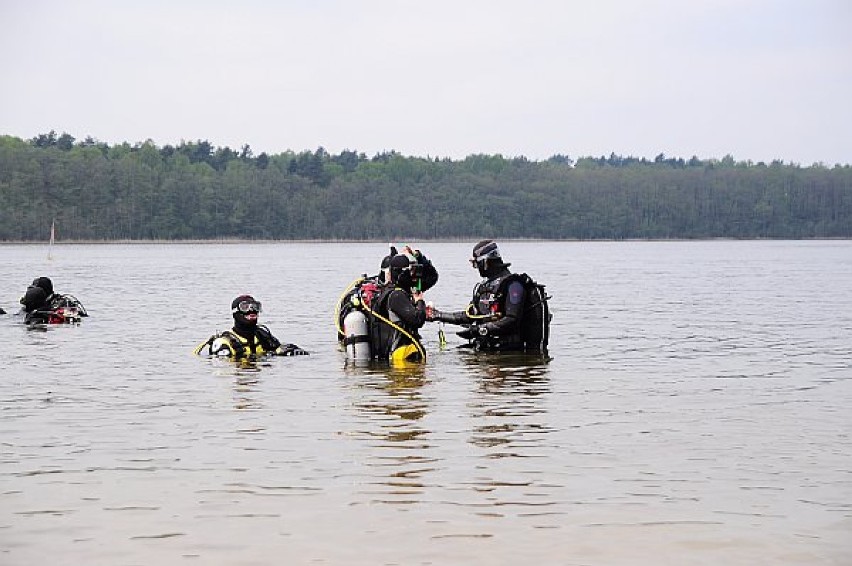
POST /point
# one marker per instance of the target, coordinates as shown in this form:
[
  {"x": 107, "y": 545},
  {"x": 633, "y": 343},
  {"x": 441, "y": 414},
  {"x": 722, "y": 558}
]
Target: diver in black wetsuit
[
  {"x": 247, "y": 338},
  {"x": 508, "y": 312},
  {"x": 364, "y": 289},
  {"x": 42, "y": 305},
  {"x": 402, "y": 304}
]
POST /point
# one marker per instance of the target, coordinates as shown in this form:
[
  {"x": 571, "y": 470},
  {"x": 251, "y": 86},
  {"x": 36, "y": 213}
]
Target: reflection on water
[
  {"x": 510, "y": 429},
  {"x": 390, "y": 403},
  {"x": 246, "y": 377},
  {"x": 393, "y": 399},
  {"x": 518, "y": 375},
  {"x": 503, "y": 416},
  {"x": 509, "y": 408},
  {"x": 246, "y": 392}
]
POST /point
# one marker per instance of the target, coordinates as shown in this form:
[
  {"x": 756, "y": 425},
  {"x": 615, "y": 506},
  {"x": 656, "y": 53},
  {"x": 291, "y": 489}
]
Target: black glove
[
  {"x": 468, "y": 333},
  {"x": 291, "y": 350},
  {"x": 474, "y": 331}
]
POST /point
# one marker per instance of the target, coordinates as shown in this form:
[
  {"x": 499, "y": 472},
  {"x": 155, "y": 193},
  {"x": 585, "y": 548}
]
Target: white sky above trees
[{"x": 757, "y": 79}]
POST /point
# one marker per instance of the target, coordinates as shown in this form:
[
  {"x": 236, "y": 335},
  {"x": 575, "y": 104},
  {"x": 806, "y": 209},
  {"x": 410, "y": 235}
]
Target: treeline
[{"x": 194, "y": 190}]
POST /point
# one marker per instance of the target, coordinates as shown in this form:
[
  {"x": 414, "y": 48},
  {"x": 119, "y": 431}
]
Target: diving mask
[
  {"x": 246, "y": 307},
  {"x": 482, "y": 253}
]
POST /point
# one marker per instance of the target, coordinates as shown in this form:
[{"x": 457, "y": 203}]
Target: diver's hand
[
  {"x": 417, "y": 295},
  {"x": 291, "y": 350},
  {"x": 433, "y": 314},
  {"x": 468, "y": 333}
]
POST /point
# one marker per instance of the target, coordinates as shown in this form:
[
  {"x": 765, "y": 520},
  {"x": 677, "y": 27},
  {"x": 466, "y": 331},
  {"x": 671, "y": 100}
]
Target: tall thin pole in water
[{"x": 52, "y": 238}]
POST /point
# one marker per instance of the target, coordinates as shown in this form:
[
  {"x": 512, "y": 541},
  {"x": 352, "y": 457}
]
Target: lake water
[{"x": 696, "y": 410}]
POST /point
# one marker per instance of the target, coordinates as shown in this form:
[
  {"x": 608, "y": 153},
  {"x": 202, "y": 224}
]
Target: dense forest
[{"x": 194, "y": 190}]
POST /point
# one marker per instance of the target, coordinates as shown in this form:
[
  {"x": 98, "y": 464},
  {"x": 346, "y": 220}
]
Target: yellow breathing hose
[
  {"x": 407, "y": 334},
  {"x": 200, "y": 347},
  {"x": 471, "y": 313}
]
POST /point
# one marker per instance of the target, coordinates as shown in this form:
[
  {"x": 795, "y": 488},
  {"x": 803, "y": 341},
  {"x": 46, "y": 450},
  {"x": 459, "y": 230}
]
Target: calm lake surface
[{"x": 696, "y": 410}]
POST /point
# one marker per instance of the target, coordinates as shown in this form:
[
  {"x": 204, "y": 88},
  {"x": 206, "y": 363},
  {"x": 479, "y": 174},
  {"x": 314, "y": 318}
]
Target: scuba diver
[
  {"x": 247, "y": 339},
  {"x": 386, "y": 329},
  {"x": 508, "y": 312},
  {"x": 41, "y": 305},
  {"x": 364, "y": 289}
]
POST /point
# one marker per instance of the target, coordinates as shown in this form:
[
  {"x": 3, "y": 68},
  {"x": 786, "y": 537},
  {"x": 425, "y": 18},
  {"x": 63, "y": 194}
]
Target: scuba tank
[{"x": 356, "y": 338}]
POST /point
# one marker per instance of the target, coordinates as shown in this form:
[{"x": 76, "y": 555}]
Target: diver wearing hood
[
  {"x": 428, "y": 275},
  {"x": 41, "y": 305},
  {"x": 508, "y": 312},
  {"x": 363, "y": 290},
  {"x": 247, "y": 338},
  {"x": 46, "y": 284},
  {"x": 34, "y": 305},
  {"x": 402, "y": 304}
]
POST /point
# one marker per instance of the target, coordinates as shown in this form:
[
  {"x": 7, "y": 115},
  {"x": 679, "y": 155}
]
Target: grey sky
[{"x": 757, "y": 79}]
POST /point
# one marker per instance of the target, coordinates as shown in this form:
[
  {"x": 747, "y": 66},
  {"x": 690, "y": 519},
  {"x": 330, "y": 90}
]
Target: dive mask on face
[
  {"x": 490, "y": 251},
  {"x": 246, "y": 307},
  {"x": 484, "y": 250}
]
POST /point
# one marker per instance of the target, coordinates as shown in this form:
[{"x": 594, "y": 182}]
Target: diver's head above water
[
  {"x": 44, "y": 283},
  {"x": 487, "y": 259},
  {"x": 403, "y": 271},
  {"x": 34, "y": 299},
  {"x": 245, "y": 310}
]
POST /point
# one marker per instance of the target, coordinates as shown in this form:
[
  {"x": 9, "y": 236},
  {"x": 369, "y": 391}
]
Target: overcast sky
[{"x": 757, "y": 79}]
